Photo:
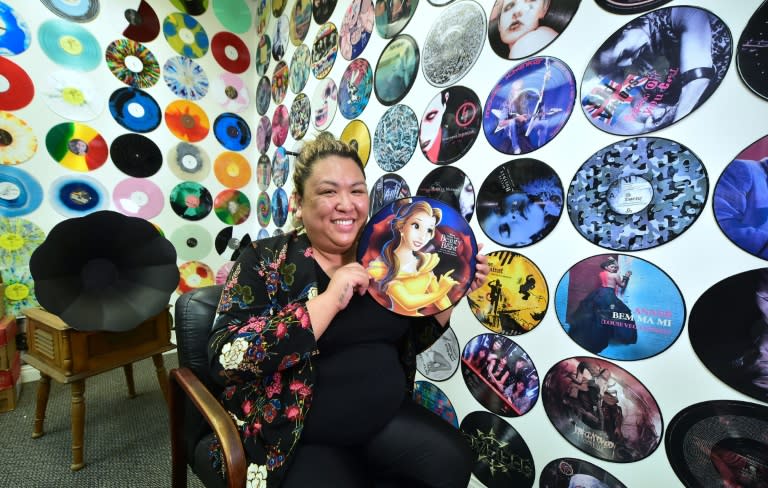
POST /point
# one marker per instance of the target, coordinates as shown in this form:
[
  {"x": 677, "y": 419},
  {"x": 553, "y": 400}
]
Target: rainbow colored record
[
  {"x": 69, "y": 45},
  {"x": 19, "y": 237},
  {"x": 191, "y": 7},
  {"x": 230, "y": 92},
  {"x": 356, "y": 28},
  {"x": 15, "y": 36},
  {"x": 324, "y": 103},
  {"x": 187, "y": 121},
  {"x": 396, "y": 137},
  {"x": 143, "y": 24},
  {"x": 19, "y": 290},
  {"x": 138, "y": 197},
  {"x": 357, "y": 135},
  {"x": 232, "y": 207},
  {"x": 263, "y": 209},
  {"x": 355, "y": 88},
  {"x": 263, "y": 172},
  {"x": 280, "y": 122},
  {"x": 185, "y": 35},
  {"x": 189, "y": 162},
  {"x": 232, "y": 169},
  {"x": 18, "y": 142},
  {"x": 74, "y": 10},
  {"x": 134, "y": 109},
  {"x": 234, "y": 15},
  {"x": 441, "y": 360},
  {"x": 73, "y": 96},
  {"x": 185, "y": 78},
  {"x": 16, "y": 87},
  {"x": 232, "y": 131},
  {"x": 230, "y": 52},
  {"x": 136, "y": 155},
  {"x": 20, "y": 192},
  {"x": 263, "y": 95},
  {"x": 299, "y": 116},
  {"x": 280, "y": 167},
  {"x": 194, "y": 274},
  {"x": 192, "y": 241},
  {"x": 77, "y": 196},
  {"x": 324, "y": 50},
  {"x": 298, "y": 72},
  {"x": 76, "y": 146},
  {"x": 433, "y": 399},
  {"x": 191, "y": 200},
  {"x": 263, "y": 134},
  {"x": 132, "y": 63}
]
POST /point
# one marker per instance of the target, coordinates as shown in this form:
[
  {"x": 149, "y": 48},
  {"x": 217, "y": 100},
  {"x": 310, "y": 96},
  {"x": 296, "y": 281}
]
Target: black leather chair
[{"x": 195, "y": 412}]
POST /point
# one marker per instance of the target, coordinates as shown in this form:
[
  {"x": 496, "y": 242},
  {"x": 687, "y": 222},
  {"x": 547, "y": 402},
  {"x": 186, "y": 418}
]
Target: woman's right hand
[{"x": 347, "y": 280}]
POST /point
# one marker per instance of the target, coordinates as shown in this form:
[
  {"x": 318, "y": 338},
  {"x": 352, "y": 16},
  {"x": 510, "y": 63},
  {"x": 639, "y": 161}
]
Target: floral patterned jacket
[{"x": 261, "y": 348}]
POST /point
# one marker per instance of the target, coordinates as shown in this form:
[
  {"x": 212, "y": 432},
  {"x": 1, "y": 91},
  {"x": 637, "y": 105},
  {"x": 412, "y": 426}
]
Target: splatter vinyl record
[
  {"x": 18, "y": 142},
  {"x": 189, "y": 162},
  {"x": 185, "y": 78},
  {"x": 132, "y": 63},
  {"x": 19, "y": 237},
  {"x": 73, "y": 96}
]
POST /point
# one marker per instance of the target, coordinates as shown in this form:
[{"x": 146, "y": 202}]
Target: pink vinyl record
[{"x": 138, "y": 197}]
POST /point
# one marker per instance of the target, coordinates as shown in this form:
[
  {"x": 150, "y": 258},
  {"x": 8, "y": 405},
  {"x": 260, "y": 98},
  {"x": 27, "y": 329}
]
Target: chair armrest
[{"x": 185, "y": 383}]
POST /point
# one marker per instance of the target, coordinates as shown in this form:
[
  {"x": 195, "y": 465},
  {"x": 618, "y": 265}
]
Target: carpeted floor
[{"x": 127, "y": 441}]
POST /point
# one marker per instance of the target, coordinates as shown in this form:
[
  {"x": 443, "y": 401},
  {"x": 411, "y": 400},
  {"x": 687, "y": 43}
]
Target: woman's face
[
  {"x": 429, "y": 134},
  {"x": 627, "y": 49},
  {"x": 418, "y": 230},
  {"x": 515, "y": 225},
  {"x": 519, "y": 17}
]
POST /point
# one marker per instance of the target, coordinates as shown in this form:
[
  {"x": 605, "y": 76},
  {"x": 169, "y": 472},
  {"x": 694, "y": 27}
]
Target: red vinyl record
[
  {"x": 230, "y": 52},
  {"x": 143, "y": 24},
  {"x": 16, "y": 88}
]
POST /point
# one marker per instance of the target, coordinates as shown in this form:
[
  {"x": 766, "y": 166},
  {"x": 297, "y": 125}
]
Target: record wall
[{"x": 609, "y": 160}]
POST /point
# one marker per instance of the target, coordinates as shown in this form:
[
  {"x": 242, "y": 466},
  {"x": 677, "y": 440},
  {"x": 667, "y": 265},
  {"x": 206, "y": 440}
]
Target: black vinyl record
[
  {"x": 630, "y": 6},
  {"x": 751, "y": 55},
  {"x": 136, "y": 155},
  {"x": 576, "y": 473},
  {"x": 230, "y": 241},
  {"x": 451, "y": 185},
  {"x": 134, "y": 109},
  {"x": 191, "y": 200}
]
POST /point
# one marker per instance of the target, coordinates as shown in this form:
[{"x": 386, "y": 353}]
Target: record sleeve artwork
[
  {"x": 435, "y": 400},
  {"x": 452, "y": 186},
  {"x": 620, "y": 307},
  {"x": 73, "y": 96},
  {"x": 388, "y": 188},
  {"x": 185, "y": 78},
  {"x": 187, "y": 121},
  {"x": 78, "y": 196},
  {"x": 441, "y": 360},
  {"x": 16, "y": 36},
  {"x": 132, "y": 63},
  {"x": 637, "y": 194},
  {"x": 230, "y": 92},
  {"x": 143, "y": 24},
  {"x": 19, "y": 237},
  {"x": 450, "y": 124},
  {"x": 357, "y": 135},
  {"x": 356, "y": 28},
  {"x": 602, "y": 409},
  {"x": 76, "y": 146},
  {"x": 138, "y": 197},
  {"x": 395, "y": 138},
  {"x": 396, "y": 69},
  {"x": 653, "y": 83},
  {"x": 134, "y": 109},
  {"x": 573, "y": 472},
  {"x": 193, "y": 275},
  {"x": 69, "y": 45},
  {"x": 18, "y": 142},
  {"x": 355, "y": 88},
  {"x": 16, "y": 87},
  {"x": 20, "y": 192},
  {"x": 191, "y": 200},
  {"x": 751, "y": 59},
  {"x": 420, "y": 255},
  {"x": 185, "y": 35}
]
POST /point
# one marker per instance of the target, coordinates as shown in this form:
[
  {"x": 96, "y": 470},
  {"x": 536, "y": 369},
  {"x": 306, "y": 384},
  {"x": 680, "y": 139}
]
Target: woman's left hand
[{"x": 481, "y": 269}]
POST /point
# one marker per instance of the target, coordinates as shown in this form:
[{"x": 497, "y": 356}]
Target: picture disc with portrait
[
  {"x": 440, "y": 360},
  {"x": 751, "y": 58},
  {"x": 431, "y": 397},
  {"x": 500, "y": 375},
  {"x": 279, "y": 37},
  {"x": 396, "y": 69},
  {"x": 620, "y": 307},
  {"x": 395, "y": 138},
  {"x": 529, "y": 105},
  {"x": 280, "y": 125},
  {"x": 627, "y": 426},
  {"x": 143, "y": 24},
  {"x": 356, "y": 27},
  {"x": 355, "y": 88},
  {"x": 451, "y": 185},
  {"x": 280, "y": 167},
  {"x": 324, "y": 103},
  {"x": 263, "y": 95},
  {"x": 572, "y": 473},
  {"x": 637, "y": 194},
  {"x": 450, "y": 124},
  {"x": 420, "y": 255},
  {"x": 629, "y": 6},
  {"x": 388, "y": 188},
  {"x": 633, "y": 87}
]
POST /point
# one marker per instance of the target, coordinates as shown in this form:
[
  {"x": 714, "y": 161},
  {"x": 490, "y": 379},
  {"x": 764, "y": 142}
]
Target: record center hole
[
  {"x": 191, "y": 242},
  {"x": 133, "y": 63},
  {"x": 9, "y": 191},
  {"x": 97, "y": 274},
  {"x": 232, "y": 131},
  {"x": 629, "y": 195},
  {"x": 187, "y": 121},
  {"x": 5, "y": 85},
  {"x": 230, "y": 92},
  {"x": 6, "y": 139},
  {"x": 136, "y": 110},
  {"x": 231, "y": 53}
]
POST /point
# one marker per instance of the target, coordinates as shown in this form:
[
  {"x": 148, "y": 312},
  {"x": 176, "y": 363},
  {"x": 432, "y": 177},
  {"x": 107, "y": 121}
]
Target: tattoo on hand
[{"x": 343, "y": 294}]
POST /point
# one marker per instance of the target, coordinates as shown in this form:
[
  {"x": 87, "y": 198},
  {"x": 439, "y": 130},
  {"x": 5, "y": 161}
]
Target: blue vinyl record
[
  {"x": 185, "y": 78},
  {"x": 15, "y": 35},
  {"x": 76, "y": 196},
  {"x": 20, "y": 192},
  {"x": 279, "y": 207},
  {"x": 69, "y": 45},
  {"x": 134, "y": 109},
  {"x": 232, "y": 131}
]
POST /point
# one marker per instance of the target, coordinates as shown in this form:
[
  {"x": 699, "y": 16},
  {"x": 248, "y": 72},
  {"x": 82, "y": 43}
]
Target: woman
[
  {"x": 519, "y": 28},
  {"x": 289, "y": 335}
]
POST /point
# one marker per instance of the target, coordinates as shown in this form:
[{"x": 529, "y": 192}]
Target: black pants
[{"x": 415, "y": 449}]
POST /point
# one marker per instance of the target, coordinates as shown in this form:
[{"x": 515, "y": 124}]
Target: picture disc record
[
  {"x": 452, "y": 186},
  {"x": 19, "y": 238},
  {"x": 143, "y": 24},
  {"x": 500, "y": 375},
  {"x": 356, "y": 27},
  {"x": 639, "y": 89},
  {"x": 298, "y": 121},
  {"x": 20, "y": 192},
  {"x": 16, "y": 87},
  {"x": 300, "y": 20},
  {"x": 620, "y": 307},
  {"x": 719, "y": 443},
  {"x": 355, "y": 88},
  {"x": 77, "y": 196},
  {"x": 391, "y": 17},
  {"x": 76, "y": 146},
  {"x": 232, "y": 206},
  {"x": 263, "y": 54},
  {"x": 396, "y": 69},
  {"x": 279, "y": 206},
  {"x": 572, "y": 472},
  {"x": 450, "y": 124},
  {"x": 324, "y": 104},
  {"x": 279, "y": 37},
  {"x": 132, "y": 63},
  {"x": 280, "y": 167},
  {"x": 232, "y": 131},
  {"x": 322, "y": 10},
  {"x": 185, "y": 78},
  {"x": 192, "y": 242},
  {"x": 280, "y": 123},
  {"x": 629, "y": 6},
  {"x": 185, "y": 35},
  {"x": 18, "y": 142},
  {"x": 73, "y": 96},
  {"x": 440, "y": 360},
  {"x": 74, "y": 10},
  {"x": 187, "y": 121},
  {"x": 69, "y": 45},
  {"x": 16, "y": 36},
  {"x": 280, "y": 82},
  {"x": 232, "y": 169},
  {"x": 388, "y": 188},
  {"x": 135, "y": 109},
  {"x": 191, "y": 200},
  {"x": 396, "y": 137},
  {"x": 357, "y": 135},
  {"x": 324, "y": 50},
  {"x": 627, "y": 409},
  {"x": 298, "y": 71},
  {"x": 637, "y": 194},
  {"x": 138, "y": 197},
  {"x": 751, "y": 58},
  {"x": 193, "y": 275},
  {"x": 263, "y": 209},
  {"x": 189, "y": 162},
  {"x": 502, "y": 458},
  {"x": 446, "y": 247},
  {"x": 230, "y": 52},
  {"x": 263, "y": 95},
  {"x": 136, "y": 155},
  {"x": 436, "y": 401},
  {"x": 263, "y": 172}
]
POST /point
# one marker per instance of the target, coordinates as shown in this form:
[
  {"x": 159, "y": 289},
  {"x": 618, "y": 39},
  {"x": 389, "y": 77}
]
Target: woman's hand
[
  {"x": 347, "y": 280},
  {"x": 481, "y": 270}
]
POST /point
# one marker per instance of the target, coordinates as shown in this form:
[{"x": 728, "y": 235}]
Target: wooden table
[{"x": 69, "y": 356}]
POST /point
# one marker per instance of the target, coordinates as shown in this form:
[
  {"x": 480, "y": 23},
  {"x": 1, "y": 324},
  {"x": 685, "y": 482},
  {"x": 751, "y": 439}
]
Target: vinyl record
[
  {"x": 189, "y": 162},
  {"x": 18, "y": 142},
  {"x": 263, "y": 11},
  {"x": 231, "y": 240},
  {"x": 453, "y": 43},
  {"x": 193, "y": 275},
  {"x": 440, "y": 360},
  {"x": 263, "y": 95},
  {"x": 520, "y": 202},
  {"x": 502, "y": 458},
  {"x": 451, "y": 185},
  {"x": 223, "y": 272},
  {"x": 633, "y": 87},
  {"x": 232, "y": 207},
  {"x": 637, "y": 194},
  {"x": 138, "y": 197},
  {"x": 395, "y": 138},
  {"x": 263, "y": 209},
  {"x": 388, "y": 188},
  {"x": 76, "y": 146},
  {"x": 263, "y": 134},
  {"x": 232, "y": 131},
  {"x": 192, "y": 241},
  {"x": 16, "y": 87},
  {"x": 279, "y": 206},
  {"x": 279, "y": 36},
  {"x": 187, "y": 121},
  {"x": 19, "y": 293},
  {"x": 69, "y": 45},
  {"x": 298, "y": 71},
  {"x": 263, "y": 172},
  {"x": 572, "y": 472},
  {"x": 234, "y": 15},
  {"x": 450, "y": 124},
  {"x": 620, "y": 307},
  {"x": 132, "y": 63},
  {"x": 230, "y": 52},
  {"x": 19, "y": 237},
  {"x": 630, "y": 6},
  {"x": 628, "y": 424},
  {"x": 74, "y": 10},
  {"x": 324, "y": 50},
  {"x": 357, "y": 135},
  {"x": 77, "y": 196},
  {"x": 191, "y": 200},
  {"x": 435, "y": 400},
  {"x": 750, "y": 53},
  {"x": 191, "y": 7},
  {"x": 230, "y": 92},
  {"x": 441, "y": 251},
  {"x": 356, "y": 28},
  {"x": 16, "y": 35},
  {"x": 392, "y": 17},
  {"x": 280, "y": 121},
  {"x": 322, "y": 10},
  {"x": 73, "y": 96},
  {"x": 396, "y": 69},
  {"x": 529, "y": 105},
  {"x": 20, "y": 192},
  {"x": 280, "y": 167},
  {"x": 355, "y": 88},
  {"x": 263, "y": 54},
  {"x": 232, "y": 169},
  {"x": 719, "y": 443},
  {"x": 185, "y": 35},
  {"x": 299, "y": 116},
  {"x": 324, "y": 104},
  {"x": 136, "y": 155},
  {"x": 301, "y": 17},
  {"x": 280, "y": 82},
  {"x": 514, "y": 300},
  {"x": 134, "y": 109},
  {"x": 185, "y": 78},
  {"x": 143, "y": 24}
]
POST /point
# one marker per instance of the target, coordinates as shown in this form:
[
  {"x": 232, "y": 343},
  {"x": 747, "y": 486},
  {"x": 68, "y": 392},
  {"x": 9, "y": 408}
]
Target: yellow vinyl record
[
  {"x": 187, "y": 120},
  {"x": 232, "y": 169},
  {"x": 194, "y": 274},
  {"x": 77, "y": 146},
  {"x": 17, "y": 140},
  {"x": 185, "y": 35},
  {"x": 356, "y": 134}
]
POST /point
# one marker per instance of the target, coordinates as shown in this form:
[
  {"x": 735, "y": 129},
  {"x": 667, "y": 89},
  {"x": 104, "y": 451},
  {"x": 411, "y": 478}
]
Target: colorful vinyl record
[
  {"x": 529, "y": 105},
  {"x": 138, "y": 197},
  {"x": 263, "y": 209},
  {"x": 355, "y": 88},
  {"x": 263, "y": 233},
  {"x": 77, "y": 196},
  {"x": 20, "y": 192},
  {"x": 18, "y": 142},
  {"x": 76, "y": 146},
  {"x": 602, "y": 409},
  {"x": 263, "y": 54},
  {"x": 19, "y": 237},
  {"x": 193, "y": 275},
  {"x": 263, "y": 172},
  {"x": 453, "y": 43},
  {"x": 751, "y": 57},
  {"x": 185, "y": 35},
  {"x": 514, "y": 300},
  {"x": 441, "y": 360},
  {"x": 16, "y": 87},
  {"x": 279, "y": 206},
  {"x": 278, "y": 7},
  {"x": 280, "y": 123},
  {"x": 620, "y": 307},
  {"x": 232, "y": 131},
  {"x": 132, "y": 63},
  {"x": 324, "y": 50},
  {"x": 263, "y": 95},
  {"x": 231, "y": 240},
  {"x": 324, "y": 103},
  {"x": 433, "y": 399},
  {"x": 185, "y": 78},
  {"x": 450, "y": 124},
  {"x": 263, "y": 9},
  {"x": 405, "y": 260},
  {"x": 571, "y": 472},
  {"x": 451, "y": 185},
  {"x": 357, "y": 135},
  {"x": 187, "y": 121},
  {"x": 69, "y": 45},
  {"x": 395, "y": 138},
  {"x": 232, "y": 169},
  {"x": 637, "y": 194},
  {"x": 189, "y": 162},
  {"x": 73, "y": 96},
  {"x": 19, "y": 290},
  {"x": 630, "y": 6},
  {"x": 263, "y": 134},
  {"x": 223, "y": 272},
  {"x": 279, "y": 38},
  {"x": 322, "y": 10},
  {"x": 191, "y": 7},
  {"x": 392, "y": 17},
  {"x": 280, "y": 82},
  {"x": 300, "y": 20},
  {"x": 143, "y": 24},
  {"x": 15, "y": 36},
  {"x": 635, "y": 87},
  {"x": 520, "y": 202},
  {"x": 502, "y": 457},
  {"x": 299, "y": 116},
  {"x": 74, "y": 10},
  {"x": 388, "y": 188},
  {"x": 396, "y": 69},
  {"x": 135, "y": 109},
  {"x": 136, "y": 155},
  {"x": 192, "y": 241},
  {"x": 230, "y": 52},
  {"x": 232, "y": 207},
  {"x": 234, "y": 15},
  {"x": 280, "y": 167},
  {"x": 356, "y": 28},
  {"x": 230, "y": 92},
  {"x": 191, "y": 200},
  {"x": 298, "y": 71}
]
